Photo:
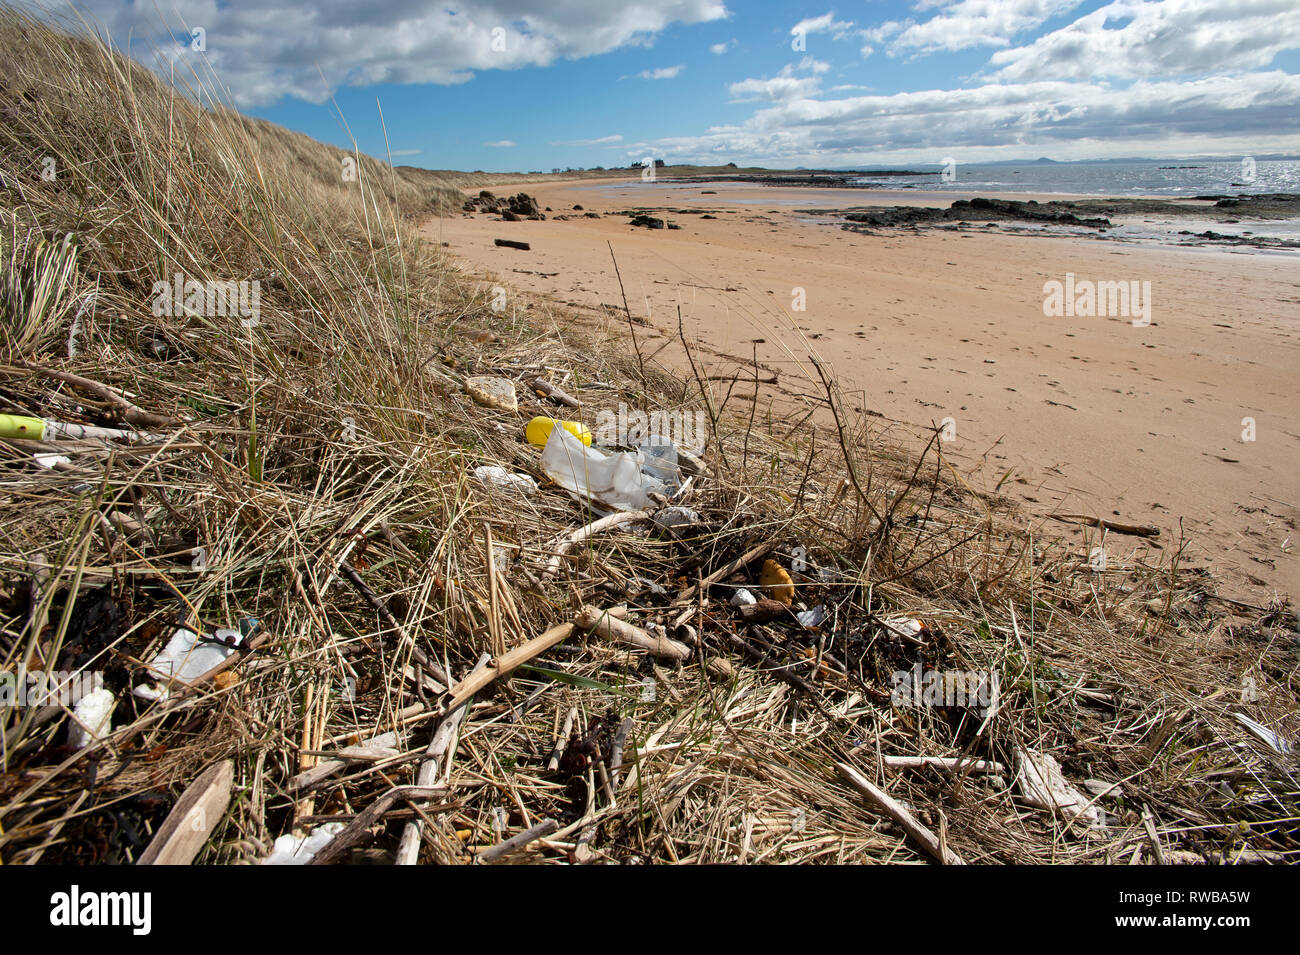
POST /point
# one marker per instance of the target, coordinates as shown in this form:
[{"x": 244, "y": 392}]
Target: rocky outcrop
[{"x": 510, "y": 208}]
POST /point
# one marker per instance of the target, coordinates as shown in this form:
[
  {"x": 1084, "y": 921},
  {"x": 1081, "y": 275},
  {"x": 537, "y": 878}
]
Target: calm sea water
[{"x": 1156, "y": 178}]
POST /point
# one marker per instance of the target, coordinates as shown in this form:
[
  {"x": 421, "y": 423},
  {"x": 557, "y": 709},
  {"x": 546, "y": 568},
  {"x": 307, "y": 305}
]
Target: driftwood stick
[
  {"x": 895, "y": 811},
  {"x": 355, "y": 831},
  {"x": 616, "y": 751},
  {"x": 568, "y": 541},
  {"x": 554, "y": 763},
  {"x": 377, "y": 747},
  {"x": 193, "y": 819},
  {"x": 554, "y": 392},
  {"x": 129, "y": 411},
  {"x": 595, "y": 619},
  {"x": 960, "y": 764},
  {"x": 726, "y": 570},
  {"x": 1136, "y": 530},
  {"x": 435, "y": 770},
  {"x": 504, "y": 664},
  {"x": 502, "y": 849},
  {"x": 372, "y": 598}
]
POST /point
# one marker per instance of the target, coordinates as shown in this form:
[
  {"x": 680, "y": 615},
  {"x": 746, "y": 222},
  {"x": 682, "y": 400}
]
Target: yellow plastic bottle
[{"x": 538, "y": 431}]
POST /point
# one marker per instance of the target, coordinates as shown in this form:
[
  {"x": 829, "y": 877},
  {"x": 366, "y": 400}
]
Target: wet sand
[{"x": 1068, "y": 415}]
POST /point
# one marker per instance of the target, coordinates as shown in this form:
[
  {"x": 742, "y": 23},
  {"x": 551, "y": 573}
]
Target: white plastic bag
[{"x": 613, "y": 480}]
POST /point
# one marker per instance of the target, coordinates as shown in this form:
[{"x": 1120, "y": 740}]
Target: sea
[{"x": 1164, "y": 178}]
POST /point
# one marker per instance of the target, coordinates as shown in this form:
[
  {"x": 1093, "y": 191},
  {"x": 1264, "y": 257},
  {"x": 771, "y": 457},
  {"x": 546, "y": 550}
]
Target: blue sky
[{"x": 515, "y": 85}]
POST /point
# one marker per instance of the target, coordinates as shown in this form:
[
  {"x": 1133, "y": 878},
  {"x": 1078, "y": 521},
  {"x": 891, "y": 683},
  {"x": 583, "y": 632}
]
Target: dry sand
[{"x": 1070, "y": 415}]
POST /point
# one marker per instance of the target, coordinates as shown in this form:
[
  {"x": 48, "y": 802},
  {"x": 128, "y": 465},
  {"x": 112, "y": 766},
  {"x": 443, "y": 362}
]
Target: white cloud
[
  {"x": 1130, "y": 39},
  {"x": 1253, "y": 113},
  {"x": 721, "y": 48},
  {"x": 405, "y": 152},
  {"x": 602, "y": 141},
  {"x": 784, "y": 86},
  {"x": 822, "y": 24},
  {"x": 263, "y": 52},
  {"x": 969, "y": 23},
  {"x": 501, "y": 144},
  {"x": 663, "y": 73},
  {"x": 817, "y": 66}
]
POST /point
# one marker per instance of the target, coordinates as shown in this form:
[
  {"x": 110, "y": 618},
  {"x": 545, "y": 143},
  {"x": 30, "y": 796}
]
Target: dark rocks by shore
[{"x": 511, "y": 208}]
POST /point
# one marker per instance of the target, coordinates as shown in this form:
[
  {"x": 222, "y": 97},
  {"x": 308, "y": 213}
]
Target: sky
[{"x": 503, "y": 85}]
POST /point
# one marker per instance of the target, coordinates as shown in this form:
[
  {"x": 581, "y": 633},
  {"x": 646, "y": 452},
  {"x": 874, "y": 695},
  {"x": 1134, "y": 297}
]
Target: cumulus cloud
[
  {"x": 784, "y": 86},
  {"x": 721, "y": 48},
  {"x": 263, "y": 52},
  {"x": 822, "y": 24},
  {"x": 1130, "y": 39},
  {"x": 969, "y": 23}
]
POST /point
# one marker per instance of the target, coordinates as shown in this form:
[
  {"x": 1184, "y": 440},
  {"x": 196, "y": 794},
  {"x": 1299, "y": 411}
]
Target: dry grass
[{"x": 334, "y": 434}]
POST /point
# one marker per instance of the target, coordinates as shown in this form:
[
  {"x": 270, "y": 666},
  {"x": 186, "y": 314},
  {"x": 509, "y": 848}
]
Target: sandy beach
[{"x": 1074, "y": 415}]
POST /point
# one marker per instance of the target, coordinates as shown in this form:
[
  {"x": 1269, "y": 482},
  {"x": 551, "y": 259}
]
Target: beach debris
[
  {"x": 193, "y": 819},
  {"x": 922, "y": 836},
  {"x": 743, "y": 598},
  {"x": 187, "y": 657},
  {"x": 512, "y": 244},
  {"x": 676, "y": 519},
  {"x": 763, "y": 611},
  {"x": 812, "y": 618},
  {"x": 599, "y": 621},
  {"x": 650, "y": 222},
  {"x": 776, "y": 582},
  {"x": 613, "y": 480},
  {"x": 493, "y": 392},
  {"x": 293, "y": 849},
  {"x": 1115, "y": 527},
  {"x": 92, "y": 718},
  {"x": 659, "y": 466},
  {"x": 1265, "y": 735},
  {"x": 726, "y": 570},
  {"x": 16, "y": 427},
  {"x": 960, "y": 764},
  {"x": 503, "y": 664},
  {"x": 377, "y": 747},
  {"x": 568, "y": 541},
  {"x": 545, "y": 389},
  {"x": 492, "y": 475},
  {"x": 538, "y": 431},
  {"x": 508, "y": 846},
  {"x": 720, "y": 668},
  {"x": 1044, "y": 786}
]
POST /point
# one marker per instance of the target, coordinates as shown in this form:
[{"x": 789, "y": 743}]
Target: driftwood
[
  {"x": 601, "y": 622},
  {"x": 512, "y": 244},
  {"x": 568, "y": 541},
  {"x": 356, "y": 830},
  {"x": 130, "y": 412},
  {"x": 959, "y": 764},
  {"x": 372, "y": 598},
  {"x": 1136, "y": 530},
  {"x": 891, "y": 807},
  {"x": 504, "y": 664},
  {"x": 434, "y": 771},
  {"x": 547, "y": 390},
  {"x": 502, "y": 849},
  {"x": 377, "y": 747},
  {"x": 193, "y": 819}
]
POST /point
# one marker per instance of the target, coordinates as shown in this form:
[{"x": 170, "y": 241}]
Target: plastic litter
[
  {"x": 743, "y": 598},
  {"x": 538, "y": 431},
  {"x": 47, "y": 429},
  {"x": 613, "y": 480},
  {"x": 299, "y": 850},
  {"x": 187, "y": 657},
  {"x": 659, "y": 465},
  {"x": 92, "y": 717},
  {"x": 495, "y": 476},
  {"x": 676, "y": 519},
  {"x": 813, "y": 617}
]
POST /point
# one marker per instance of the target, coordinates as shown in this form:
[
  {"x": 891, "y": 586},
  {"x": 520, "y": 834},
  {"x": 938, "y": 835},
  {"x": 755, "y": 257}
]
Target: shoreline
[{"x": 1058, "y": 414}]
